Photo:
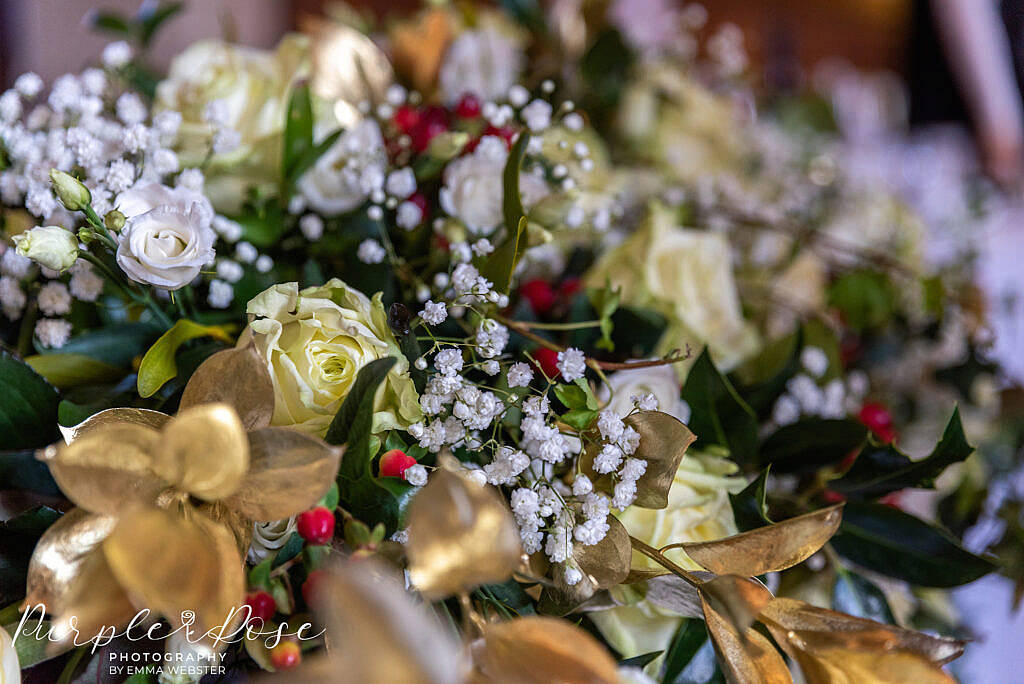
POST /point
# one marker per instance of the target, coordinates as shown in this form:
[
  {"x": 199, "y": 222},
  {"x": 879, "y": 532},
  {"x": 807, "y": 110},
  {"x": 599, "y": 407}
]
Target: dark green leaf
[
  {"x": 399, "y": 320},
  {"x": 28, "y": 406},
  {"x": 866, "y": 298},
  {"x": 764, "y": 377},
  {"x": 691, "y": 635},
  {"x": 298, "y": 128},
  {"x": 882, "y": 468},
  {"x": 111, "y": 22},
  {"x": 308, "y": 157},
  {"x": 811, "y": 443},
  {"x": 855, "y": 595},
  {"x": 154, "y": 20},
  {"x": 641, "y": 660},
  {"x": 750, "y": 506},
  {"x": 259, "y": 576},
  {"x": 291, "y": 549},
  {"x": 263, "y": 226},
  {"x": 354, "y": 420},
  {"x": 116, "y": 345},
  {"x": 22, "y": 470},
  {"x": 330, "y": 499},
  {"x": 572, "y": 396},
  {"x": 894, "y": 543},
  {"x": 579, "y": 418},
  {"x": 499, "y": 265},
  {"x": 718, "y": 414}
]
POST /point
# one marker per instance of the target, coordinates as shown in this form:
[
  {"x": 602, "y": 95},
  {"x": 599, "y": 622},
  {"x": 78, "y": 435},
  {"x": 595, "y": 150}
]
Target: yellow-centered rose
[{"x": 315, "y": 342}]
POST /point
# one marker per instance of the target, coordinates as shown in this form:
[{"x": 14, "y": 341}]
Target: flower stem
[{"x": 659, "y": 558}]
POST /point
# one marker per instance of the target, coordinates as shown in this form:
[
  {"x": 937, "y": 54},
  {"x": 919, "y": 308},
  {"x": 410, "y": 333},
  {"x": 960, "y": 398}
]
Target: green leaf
[
  {"x": 811, "y": 443},
  {"x": 499, "y": 266},
  {"x": 158, "y": 364},
  {"x": 688, "y": 639},
  {"x": 579, "y": 418},
  {"x": 400, "y": 322},
  {"x": 855, "y": 595},
  {"x": 291, "y": 549},
  {"x": 750, "y": 506},
  {"x": 605, "y": 302},
  {"x": 73, "y": 370},
  {"x": 330, "y": 499},
  {"x": 117, "y": 345},
  {"x": 866, "y": 298},
  {"x": 573, "y": 396},
  {"x": 308, "y": 157},
  {"x": 153, "y": 21},
  {"x": 882, "y": 468},
  {"x": 259, "y": 576},
  {"x": 378, "y": 500},
  {"x": 298, "y": 128},
  {"x": 264, "y": 225},
  {"x": 28, "y": 406},
  {"x": 761, "y": 380},
  {"x": 111, "y": 22},
  {"x": 22, "y": 470},
  {"x": 353, "y": 423},
  {"x": 718, "y": 414},
  {"x": 641, "y": 660},
  {"x": 894, "y": 543}
]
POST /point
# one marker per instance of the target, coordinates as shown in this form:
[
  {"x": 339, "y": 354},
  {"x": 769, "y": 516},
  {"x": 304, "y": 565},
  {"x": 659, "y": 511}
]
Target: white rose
[
  {"x": 268, "y": 538},
  {"x": 10, "y": 671},
  {"x": 661, "y": 381},
  {"x": 486, "y": 63},
  {"x": 473, "y": 190},
  {"x": 167, "y": 236},
  {"x": 49, "y": 246},
  {"x": 344, "y": 176}
]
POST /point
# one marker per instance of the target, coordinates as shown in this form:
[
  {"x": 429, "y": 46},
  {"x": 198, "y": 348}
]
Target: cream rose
[
  {"x": 485, "y": 62},
  {"x": 49, "y": 246},
  {"x": 251, "y": 88},
  {"x": 10, "y": 670},
  {"x": 685, "y": 275},
  {"x": 167, "y": 236},
  {"x": 698, "y": 510},
  {"x": 315, "y": 341},
  {"x": 661, "y": 381},
  {"x": 344, "y": 176},
  {"x": 473, "y": 190}
]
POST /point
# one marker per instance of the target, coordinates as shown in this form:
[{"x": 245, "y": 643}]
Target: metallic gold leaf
[
  {"x": 171, "y": 565},
  {"x": 348, "y": 67},
  {"x": 822, "y": 662},
  {"x": 94, "y": 601},
  {"x": 461, "y": 535},
  {"x": 541, "y": 649},
  {"x": 604, "y": 565},
  {"x": 238, "y": 377},
  {"x": 289, "y": 471},
  {"x": 240, "y": 525},
  {"x": 766, "y": 549},
  {"x": 59, "y": 555},
  {"x": 418, "y": 46},
  {"x": 790, "y": 615},
  {"x": 376, "y": 633},
  {"x": 203, "y": 451},
  {"x": 107, "y": 468},
  {"x": 113, "y": 416},
  {"x": 663, "y": 441},
  {"x": 747, "y": 660},
  {"x": 738, "y": 599}
]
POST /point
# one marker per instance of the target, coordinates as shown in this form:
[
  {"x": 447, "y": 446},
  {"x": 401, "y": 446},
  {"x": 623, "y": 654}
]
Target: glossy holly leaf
[
  {"x": 718, "y": 414},
  {"x": 688, "y": 639},
  {"x": 811, "y": 443},
  {"x": 750, "y": 506},
  {"x": 855, "y": 595},
  {"x": 882, "y": 468},
  {"x": 897, "y": 544},
  {"x": 28, "y": 406},
  {"x": 354, "y": 420}
]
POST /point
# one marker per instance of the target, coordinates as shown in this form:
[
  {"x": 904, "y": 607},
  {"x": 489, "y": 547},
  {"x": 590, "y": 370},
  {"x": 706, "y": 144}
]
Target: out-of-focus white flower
[
  {"x": 53, "y": 333},
  {"x": 10, "y": 671},
  {"x": 625, "y": 386},
  {"x": 49, "y": 246},
  {"x": 116, "y": 54},
  {"x": 344, "y": 176},
  {"x": 485, "y": 62}
]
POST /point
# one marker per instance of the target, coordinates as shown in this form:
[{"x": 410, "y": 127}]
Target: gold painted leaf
[
  {"x": 376, "y": 633},
  {"x": 461, "y": 535},
  {"x": 107, "y": 468},
  {"x": 822, "y": 662},
  {"x": 113, "y": 416},
  {"x": 94, "y": 601},
  {"x": 747, "y": 660},
  {"x": 541, "y": 649},
  {"x": 791, "y": 615},
  {"x": 663, "y": 442},
  {"x": 418, "y": 46},
  {"x": 604, "y": 565},
  {"x": 766, "y": 549},
  {"x": 171, "y": 564},
  {"x": 59, "y": 555},
  {"x": 238, "y": 377},
  {"x": 348, "y": 67},
  {"x": 737, "y": 599},
  {"x": 289, "y": 471},
  {"x": 240, "y": 526},
  {"x": 203, "y": 451}
]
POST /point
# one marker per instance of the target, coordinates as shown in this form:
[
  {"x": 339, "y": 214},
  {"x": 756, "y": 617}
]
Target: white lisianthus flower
[
  {"x": 486, "y": 63},
  {"x": 661, "y": 381},
  {"x": 167, "y": 236},
  {"x": 698, "y": 510},
  {"x": 473, "y": 189},
  {"x": 344, "y": 176},
  {"x": 49, "y": 246},
  {"x": 315, "y": 341}
]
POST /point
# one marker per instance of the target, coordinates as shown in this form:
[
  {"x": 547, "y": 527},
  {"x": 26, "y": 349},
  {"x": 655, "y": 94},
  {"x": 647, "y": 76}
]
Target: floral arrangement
[{"x": 474, "y": 346}]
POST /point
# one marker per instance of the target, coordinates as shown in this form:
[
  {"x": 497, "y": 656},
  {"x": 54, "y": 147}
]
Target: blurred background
[{"x": 923, "y": 90}]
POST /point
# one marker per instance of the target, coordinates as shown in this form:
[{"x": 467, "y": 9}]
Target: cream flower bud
[
  {"x": 71, "y": 192},
  {"x": 49, "y": 246}
]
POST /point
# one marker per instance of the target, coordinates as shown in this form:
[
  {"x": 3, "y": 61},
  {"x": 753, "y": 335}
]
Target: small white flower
[
  {"x": 491, "y": 367},
  {"x": 572, "y": 576},
  {"x": 573, "y": 121},
  {"x": 312, "y": 227},
  {"x": 229, "y": 270},
  {"x": 434, "y": 313},
  {"x": 571, "y": 363},
  {"x": 401, "y": 183},
  {"x": 12, "y": 297},
  {"x": 264, "y": 263},
  {"x": 786, "y": 410},
  {"x": 85, "y": 284},
  {"x": 116, "y": 54},
  {"x": 371, "y": 252},
  {"x": 416, "y": 475},
  {"x": 484, "y": 62},
  {"x": 28, "y": 84},
  {"x": 537, "y": 115},
  {"x": 814, "y": 360},
  {"x": 408, "y": 215},
  {"x": 519, "y": 375},
  {"x": 53, "y": 333},
  {"x": 221, "y": 294},
  {"x": 131, "y": 109},
  {"x": 246, "y": 253},
  {"x": 581, "y": 486},
  {"x": 54, "y": 299}
]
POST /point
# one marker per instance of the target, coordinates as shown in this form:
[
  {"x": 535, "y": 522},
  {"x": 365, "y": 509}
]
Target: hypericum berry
[
  {"x": 878, "y": 419},
  {"x": 420, "y": 200},
  {"x": 285, "y": 655},
  {"x": 468, "y": 107},
  {"x": 262, "y": 606},
  {"x": 433, "y": 122},
  {"x": 506, "y": 133},
  {"x": 540, "y": 294},
  {"x": 316, "y": 525},
  {"x": 569, "y": 287},
  {"x": 394, "y": 463},
  {"x": 312, "y": 585},
  {"x": 406, "y": 118},
  {"x": 548, "y": 361}
]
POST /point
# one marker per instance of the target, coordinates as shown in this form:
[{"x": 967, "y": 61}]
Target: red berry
[
  {"x": 395, "y": 462},
  {"x": 878, "y": 419},
  {"x": 316, "y": 525},
  {"x": 312, "y": 585},
  {"x": 468, "y": 107},
  {"x": 569, "y": 287},
  {"x": 548, "y": 360},
  {"x": 433, "y": 122},
  {"x": 262, "y": 606},
  {"x": 420, "y": 200},
  {"x": 285, "y": 655},
  {"x": 406, "y": 118},
  {"x": 833, "y": 497},
  {"x": 506, "y": 133},
  {"x": 540, "y": 295}
]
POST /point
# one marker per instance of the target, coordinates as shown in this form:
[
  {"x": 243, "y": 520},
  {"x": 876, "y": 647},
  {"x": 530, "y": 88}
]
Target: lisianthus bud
[
  {"x": 71, "y": 192},
  {"x": 114, "y": 220},
  {"x": 448, "y": 145},
  {"x": 49, "y": 246}
]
